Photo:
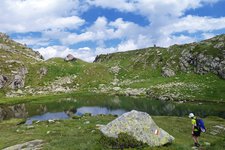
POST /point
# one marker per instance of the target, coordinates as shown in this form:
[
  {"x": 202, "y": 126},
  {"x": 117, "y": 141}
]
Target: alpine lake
[{"x": 27, "y": 120}]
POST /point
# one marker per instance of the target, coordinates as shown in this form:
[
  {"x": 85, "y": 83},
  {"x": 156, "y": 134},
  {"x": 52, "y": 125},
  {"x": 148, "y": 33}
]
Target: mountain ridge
[{"x": 179, "y": 72}]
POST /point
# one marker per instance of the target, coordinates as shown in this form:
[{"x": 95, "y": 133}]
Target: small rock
[
  {"x": 30, "y": 127},
  {"x": 195, "y": 148},
  {"x": 92, "y": 131},
  {"x": 99, "y": 126},
  {"x": 37, "y": 121},
  {"x": 207, "y": 144},
  {"x": 115, "y": 69},
  {"x": 51, "y": 121},
  {"x": 87, "y": 122},
  {"x": 213, "y": 133},
  {"x": 19, "y": 91},
  {"x": 167, "y": 72},
  {"x": 117, "y": 89},
  {"x": 43, "y": 71}
]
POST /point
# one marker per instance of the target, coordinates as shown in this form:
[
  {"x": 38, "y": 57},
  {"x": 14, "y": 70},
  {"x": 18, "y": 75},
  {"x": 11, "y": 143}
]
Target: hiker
[{"x": 195, "y": 130}]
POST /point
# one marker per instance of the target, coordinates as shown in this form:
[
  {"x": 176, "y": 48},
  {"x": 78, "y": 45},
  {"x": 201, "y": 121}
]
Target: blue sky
[{"x": 86, "y": 28}]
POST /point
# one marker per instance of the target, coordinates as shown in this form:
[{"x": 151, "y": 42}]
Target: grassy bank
[
  {"x": 43, "y": 98},
  {"x": 82, "y": 133}
]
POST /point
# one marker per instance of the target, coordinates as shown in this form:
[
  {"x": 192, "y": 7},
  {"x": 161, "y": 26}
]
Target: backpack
[{"x": 200, "y": 125}]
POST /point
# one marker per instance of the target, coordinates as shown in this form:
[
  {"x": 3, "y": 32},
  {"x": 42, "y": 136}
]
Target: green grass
[{"x": 75, "y": 134}]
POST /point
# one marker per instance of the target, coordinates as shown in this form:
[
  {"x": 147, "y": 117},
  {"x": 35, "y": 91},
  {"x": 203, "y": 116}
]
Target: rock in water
[{"x": 140, "y": 125}]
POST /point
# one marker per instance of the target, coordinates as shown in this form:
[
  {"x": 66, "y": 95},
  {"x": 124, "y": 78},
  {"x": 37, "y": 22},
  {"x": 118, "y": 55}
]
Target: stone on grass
[
  {"x": 70, "y": 57},
  {"x": 167, "y": 72},
  {"x": 34, "y": 145},
  {"x": 140, "y": 125}
]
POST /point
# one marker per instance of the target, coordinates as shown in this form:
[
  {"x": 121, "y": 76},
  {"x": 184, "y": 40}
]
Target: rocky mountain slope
[
  {"x": 193, "y": 71},
  {"x": 14, "y": 59},
  {"x": 201, "y": 58},
  {"x": 190, "y": 71}
]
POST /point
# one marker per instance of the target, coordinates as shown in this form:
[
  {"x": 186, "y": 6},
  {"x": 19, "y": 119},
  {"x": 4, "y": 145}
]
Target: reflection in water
[
  {"x": 15, "y": 111},
  {"x": 99, "y": 110},
  {"x": 80, "y": 111},
  {"x": 48, "y": 116},
  {"x": 98, "y": 104}
]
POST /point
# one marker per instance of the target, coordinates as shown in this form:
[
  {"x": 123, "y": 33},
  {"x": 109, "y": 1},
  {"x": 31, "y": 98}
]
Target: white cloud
[
  {"x": 36, "y": 16},
  {"x": 165, "y": 17},
  {"x": 194, "y": 24},
  {"x": 103, "y": 30},
  {"x": 33, "y": 41},
  {"x": 84, "y": 53},
  {"x": 128, "y": 45},
  {"x": 166, "y": 41},
  {"x": 208, "y": 35},
  {"x": 140, "y": 42},
  {"x": 60, "y": 20},
  {"x": 149, "y": 8},
  {"x": 122, "y": 5}
]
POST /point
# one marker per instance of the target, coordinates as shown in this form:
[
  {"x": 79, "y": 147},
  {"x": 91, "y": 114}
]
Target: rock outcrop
[
  {"x": 43, "y": 71},
  {"x": 167, "y": 72},
  {"x": 202, "y": 63},
  {"x": 139, "y": 125},
  {"x": 19, "y": 78},
  {"x": 70, "y": 57},
  {"x": 3, "y": 80},
  {"x": 34, "y": 145}
]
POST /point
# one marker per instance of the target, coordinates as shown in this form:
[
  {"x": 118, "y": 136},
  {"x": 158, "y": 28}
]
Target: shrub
[{"x": 123, "y": 141}]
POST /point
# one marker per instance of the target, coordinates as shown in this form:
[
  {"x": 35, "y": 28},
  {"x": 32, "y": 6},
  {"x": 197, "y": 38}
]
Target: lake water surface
[{"x": 64, "y": 108}]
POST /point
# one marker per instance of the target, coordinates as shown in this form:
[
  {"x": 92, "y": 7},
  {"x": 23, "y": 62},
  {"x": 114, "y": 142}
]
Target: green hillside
[{"x": 193, "y": 71}]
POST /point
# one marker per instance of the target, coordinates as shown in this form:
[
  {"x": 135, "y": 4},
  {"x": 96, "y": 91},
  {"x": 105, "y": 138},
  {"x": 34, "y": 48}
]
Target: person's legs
[{"x": 195, "y": 138}]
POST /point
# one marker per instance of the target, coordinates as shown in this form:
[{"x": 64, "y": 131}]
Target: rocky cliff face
[
  {"x": 201, "y": 58},
  {"x": 12, "y": 47},
  {"x": 15, "y": 61},
  {"x": 202, "y": 63}
]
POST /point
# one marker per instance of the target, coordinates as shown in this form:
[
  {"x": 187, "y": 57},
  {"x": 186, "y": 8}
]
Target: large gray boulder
[
  {"x": 70, "y": 57},
  {"x": 139, "y": 125}
]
